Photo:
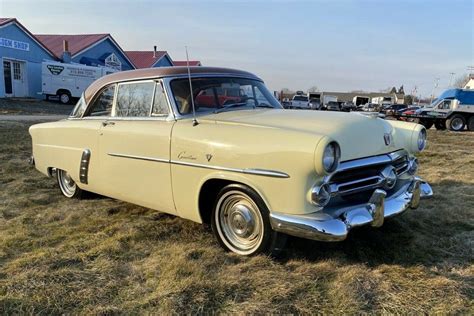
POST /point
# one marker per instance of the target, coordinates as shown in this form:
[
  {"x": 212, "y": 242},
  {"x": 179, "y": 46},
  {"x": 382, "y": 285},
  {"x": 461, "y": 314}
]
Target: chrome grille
[{"x": 365, "y": 174}]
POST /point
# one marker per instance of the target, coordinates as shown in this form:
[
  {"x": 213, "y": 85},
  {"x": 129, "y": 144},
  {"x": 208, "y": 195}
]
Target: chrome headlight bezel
[
  {"x": 331, "y": 157},
  {"x": 321, "y": 195},
  {"x": 421, "y": 140}
]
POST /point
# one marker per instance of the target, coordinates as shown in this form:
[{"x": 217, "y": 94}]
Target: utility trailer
[{"x": 453, "y": 109}]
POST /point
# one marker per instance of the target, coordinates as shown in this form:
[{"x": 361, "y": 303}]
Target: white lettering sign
[{"x": 6, "y": 42}]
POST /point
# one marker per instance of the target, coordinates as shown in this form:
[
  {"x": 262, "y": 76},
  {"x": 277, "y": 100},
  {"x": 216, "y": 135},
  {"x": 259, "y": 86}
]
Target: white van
[{"x": 68, "y": 81}]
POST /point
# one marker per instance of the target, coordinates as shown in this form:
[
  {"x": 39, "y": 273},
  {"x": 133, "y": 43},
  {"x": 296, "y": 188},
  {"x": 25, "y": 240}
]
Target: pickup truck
[{"x": 300, "y": 102}]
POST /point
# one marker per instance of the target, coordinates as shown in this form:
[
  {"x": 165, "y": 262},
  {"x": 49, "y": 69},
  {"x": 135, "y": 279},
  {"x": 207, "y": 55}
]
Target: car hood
[{"x": 358, "y": 135}]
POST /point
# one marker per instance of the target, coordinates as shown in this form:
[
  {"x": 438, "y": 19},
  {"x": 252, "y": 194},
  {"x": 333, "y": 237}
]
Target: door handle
[{"x": 105, "y": 123}]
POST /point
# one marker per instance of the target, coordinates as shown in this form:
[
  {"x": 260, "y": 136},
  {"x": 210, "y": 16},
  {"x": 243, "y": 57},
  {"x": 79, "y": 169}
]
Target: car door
[{"x": 134, "y": 146}]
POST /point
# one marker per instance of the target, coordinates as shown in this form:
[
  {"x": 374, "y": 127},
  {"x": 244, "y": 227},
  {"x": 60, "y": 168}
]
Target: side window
[
  {"x": 160, "y": 104},
  {"x": 134, "y": 99},
  {"x": 102, "y": 105}
]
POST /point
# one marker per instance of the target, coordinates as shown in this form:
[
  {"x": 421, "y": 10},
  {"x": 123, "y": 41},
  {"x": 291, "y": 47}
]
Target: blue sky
[{"x": 335, "y": 45}]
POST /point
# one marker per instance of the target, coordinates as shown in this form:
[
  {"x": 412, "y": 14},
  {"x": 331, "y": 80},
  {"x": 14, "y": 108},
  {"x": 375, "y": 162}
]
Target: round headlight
[
  {"x": 422, "y": 139},
  {"x": 331, "y": 157}
]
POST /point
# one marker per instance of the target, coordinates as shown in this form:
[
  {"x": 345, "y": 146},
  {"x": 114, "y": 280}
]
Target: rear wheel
[
  {"x": 456, "y": 122},
  {"x": 470, "y": 124},
  {"x": 241, "y": 224},
  {"x": 67, "y": 185},
  {"x": 440, "y": 125}
]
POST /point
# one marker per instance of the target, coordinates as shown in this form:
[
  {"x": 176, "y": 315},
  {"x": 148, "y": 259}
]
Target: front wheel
[
  {"x": 440, "y": 125},
  {"x": 241, "y": 224},
  {"x": 67, "y": 185}
]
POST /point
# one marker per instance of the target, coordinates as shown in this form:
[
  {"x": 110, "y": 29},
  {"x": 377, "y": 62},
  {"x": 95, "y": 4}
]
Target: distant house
[
  {"x": 185, "y": 63},
  {"x": 150, "y": 59},
  {"x": 470, "y": 83},
  {"x": 21, "y": 55},
  {"x": 88, "y": 49}
]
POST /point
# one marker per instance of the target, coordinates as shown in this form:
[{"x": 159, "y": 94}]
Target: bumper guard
[{"x": 324, "y": 227}]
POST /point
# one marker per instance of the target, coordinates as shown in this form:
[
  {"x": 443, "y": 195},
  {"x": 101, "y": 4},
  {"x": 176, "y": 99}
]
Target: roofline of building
[
  {"x": 31, "y": 35},
  {"x": 164, "y": 55},
  {"x": 108, "y": 36}
]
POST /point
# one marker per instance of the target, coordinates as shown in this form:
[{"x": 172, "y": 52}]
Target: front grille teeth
[{"x": 365, "y": 177}]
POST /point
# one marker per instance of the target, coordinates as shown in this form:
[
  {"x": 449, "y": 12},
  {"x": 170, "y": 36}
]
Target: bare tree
[
  {"x": 313, "y": 89},
  {"x": 461, "y": 81}
]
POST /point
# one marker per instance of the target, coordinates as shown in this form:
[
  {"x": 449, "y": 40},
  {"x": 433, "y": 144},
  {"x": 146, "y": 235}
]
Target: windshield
[{"x": 212, "y": 94}]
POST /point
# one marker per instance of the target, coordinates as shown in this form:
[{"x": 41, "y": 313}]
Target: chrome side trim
[
  {"x": 252, "y": 171},
  {"x": 139, "y": 157},
  {"x": 84, "y": 166},
  {"x": 258, "y": 172}
]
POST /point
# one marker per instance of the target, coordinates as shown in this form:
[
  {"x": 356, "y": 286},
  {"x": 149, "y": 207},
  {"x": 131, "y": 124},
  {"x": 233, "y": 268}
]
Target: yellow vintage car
[{"x": 230, "y": 156}]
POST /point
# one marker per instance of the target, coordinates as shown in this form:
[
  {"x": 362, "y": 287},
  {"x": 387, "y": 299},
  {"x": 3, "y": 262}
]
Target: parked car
[
  {"x": 300, "y": 102},
  {"x": 252, "y": 170},
  {"x": 333, "y": 106},
  {"x": 393, "y": 109}
]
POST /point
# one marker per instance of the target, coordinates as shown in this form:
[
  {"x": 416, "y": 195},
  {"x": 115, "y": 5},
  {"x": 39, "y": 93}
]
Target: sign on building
[
  {"x": 9, "y": 43},
  {"x": 113, "y": 62}
]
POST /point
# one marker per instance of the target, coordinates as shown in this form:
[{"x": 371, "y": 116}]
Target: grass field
[
  {"x": 104, "y": 256},
  {"x": 32, "y": 106}
]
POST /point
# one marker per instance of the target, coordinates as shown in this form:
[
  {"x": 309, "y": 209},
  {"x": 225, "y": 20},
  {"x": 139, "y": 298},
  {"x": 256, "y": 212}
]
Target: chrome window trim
[
  {"x": 93, "y": 99},
  {"x": 252, "y": 171},
  {"x": 114, "y": 108},
  {"x": 167, "y": 82},
  {"x": 169, "y": 117}
]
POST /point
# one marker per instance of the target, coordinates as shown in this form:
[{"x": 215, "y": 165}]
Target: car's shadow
[{"x": 437, "y": 233}]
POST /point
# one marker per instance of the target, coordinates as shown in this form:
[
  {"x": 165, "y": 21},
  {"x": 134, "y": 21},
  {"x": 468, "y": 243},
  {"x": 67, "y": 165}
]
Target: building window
[
  {"x": 16, "y": 70},
  {"x": 113, "y": 62}
]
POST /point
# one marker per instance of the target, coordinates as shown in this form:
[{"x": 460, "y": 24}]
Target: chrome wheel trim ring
[
  {"x": 239, "y": 222},
  {"x": 457, "y": 124},
  {"x": 67, "y": 185},
  {"x": 64, "y": 98}
]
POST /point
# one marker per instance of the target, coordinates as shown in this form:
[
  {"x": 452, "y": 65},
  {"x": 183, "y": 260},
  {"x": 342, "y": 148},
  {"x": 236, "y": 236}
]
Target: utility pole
[
  {"x": 435, "y": 86},
  {"x": 452, "y": 79},
  {"x": 415, "y": 90}
]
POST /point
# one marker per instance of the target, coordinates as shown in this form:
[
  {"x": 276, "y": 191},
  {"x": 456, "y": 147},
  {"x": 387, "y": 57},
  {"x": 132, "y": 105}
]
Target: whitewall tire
[
  {"x": 240, "y": 221},
  {"x": 67, "y": 185}
]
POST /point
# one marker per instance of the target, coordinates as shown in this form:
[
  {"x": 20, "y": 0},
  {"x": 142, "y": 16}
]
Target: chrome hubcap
[
  {"x": 457, "y": 124},
  {"x": 68, "y": 186},
  {"x": 239, "y": 222},
  {"x": 64, "y": 98}
]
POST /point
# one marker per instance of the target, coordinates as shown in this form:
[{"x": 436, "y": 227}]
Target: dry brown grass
[{"x": 104, "y": 256}]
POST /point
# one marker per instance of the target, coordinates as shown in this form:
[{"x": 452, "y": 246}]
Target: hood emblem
[
  {"x": 208, "y": 157},
  {"x": 387, "y": 138}
]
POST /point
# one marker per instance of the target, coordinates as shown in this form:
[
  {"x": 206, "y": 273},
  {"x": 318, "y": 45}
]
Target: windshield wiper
[{"x": 228, "y": 106}]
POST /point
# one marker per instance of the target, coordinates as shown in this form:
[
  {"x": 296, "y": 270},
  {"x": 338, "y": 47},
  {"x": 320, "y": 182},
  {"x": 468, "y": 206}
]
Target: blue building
[
  {"x": 21, "y": 55},
  {"x": 150, "y": 59},
  {"x": 87, "y": 49}
]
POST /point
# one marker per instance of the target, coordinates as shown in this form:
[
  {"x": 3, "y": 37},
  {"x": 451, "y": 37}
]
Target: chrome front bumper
[{"x": 325, "y": 227}]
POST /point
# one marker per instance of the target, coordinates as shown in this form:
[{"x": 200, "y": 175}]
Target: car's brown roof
[{"x": 151, "y": 73}]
